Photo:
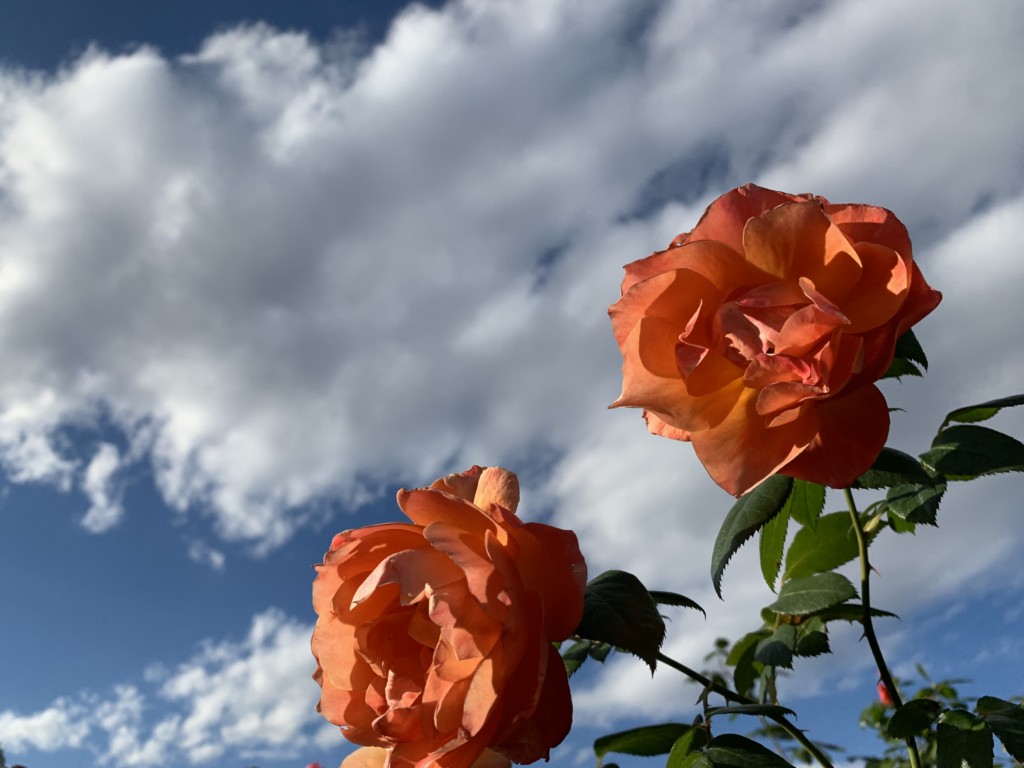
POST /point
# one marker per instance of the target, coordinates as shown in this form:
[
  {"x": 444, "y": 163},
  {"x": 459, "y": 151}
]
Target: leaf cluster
[
  {"x": 946, "y": 730},
  {"x": 620, "y": 612},
  {"x": 800, "y": 548}
]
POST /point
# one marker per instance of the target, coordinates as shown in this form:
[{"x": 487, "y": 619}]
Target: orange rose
[
  {"x": 377, "y": 757},
  {"x": 759, "y": 335},
  {"x": 434, "y": 639}
]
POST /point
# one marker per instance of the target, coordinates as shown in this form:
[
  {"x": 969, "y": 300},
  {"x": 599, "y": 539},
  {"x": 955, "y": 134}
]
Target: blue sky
[{"x": 261, "y": 264}]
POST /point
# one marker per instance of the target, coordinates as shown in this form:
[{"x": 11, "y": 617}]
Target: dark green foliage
[
  {"x": 740, "y": 752},
  {"x": 967, "y": 451},
  {"x": 686, "y": 750},
  {"x": 773, "y": 542},
  {"x": 1006, "y": 720},
  {"x": 809, "y": 594},
  {"x": 893, "y": 468},
  {"x": 747, "y": 517},
  {"x": 830, "y": 544},
  {"x": 913, "y": 718},
  {"x": 675, "y": 599},
  {"x": 963, "y": 741},
  {"x": 644, "y": 741},
  {"x": 981, "y": 411},
  {"x": 805, "y": 503},
  {"x": 914, "y": 502},
  {"x": 618, "y": 609},
  {"x": 776, "y": 650},
  {"x": 909, "y": 359}
]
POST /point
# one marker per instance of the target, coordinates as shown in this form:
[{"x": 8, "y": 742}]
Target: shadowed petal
[
  {"x": 742, "y": 450},
  {"x": 852, "y": 431}
]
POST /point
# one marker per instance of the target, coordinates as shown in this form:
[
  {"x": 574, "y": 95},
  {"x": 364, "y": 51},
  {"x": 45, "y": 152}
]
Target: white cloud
[
  {"x": 202, "y": 552},
  {"x": 291, "y": 273},
  {"x": 105, "y": 507},
  {"x": 248, "y": 696},
  {"x": 254, "y": 697},
  {"x": 57, "y": 727}
]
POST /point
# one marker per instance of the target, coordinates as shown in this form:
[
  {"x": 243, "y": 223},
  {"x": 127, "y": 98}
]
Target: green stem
[
  {"x": 869, "y": 627},
  {"x": 739, "y": 698}
]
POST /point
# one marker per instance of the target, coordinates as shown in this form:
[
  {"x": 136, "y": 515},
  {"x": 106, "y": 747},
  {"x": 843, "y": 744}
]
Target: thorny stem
[
  {"x": 869, "y": 627},
  {"x": 739, "y": 698}
]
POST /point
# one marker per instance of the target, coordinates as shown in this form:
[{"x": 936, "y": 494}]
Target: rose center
[{"x": 777, "y": 333}]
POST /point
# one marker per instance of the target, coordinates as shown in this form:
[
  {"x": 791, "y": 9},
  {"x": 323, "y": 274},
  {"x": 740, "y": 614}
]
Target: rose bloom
[
  {"x": 759, "y": 335},
  {"x": 434, "y": 638},
  {"x": 377, "y": 757}
]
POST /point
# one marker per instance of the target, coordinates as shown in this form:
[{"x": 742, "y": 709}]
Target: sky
[{"x": 262, "y": 264}]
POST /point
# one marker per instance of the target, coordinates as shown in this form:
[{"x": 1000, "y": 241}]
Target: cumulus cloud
[
  {"x": 253, "y": 696},
  {"x": 289, "y": 273},
  {"x": 58, "y": 726}
]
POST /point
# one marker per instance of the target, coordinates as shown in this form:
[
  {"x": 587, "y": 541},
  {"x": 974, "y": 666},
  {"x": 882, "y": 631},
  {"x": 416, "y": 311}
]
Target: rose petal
[
  {"x": 719, "y": 264},
  {"x": 852, "y": 431},
  {"x": 470, "y": 556},
  {"x": 871, "y": 224},
  {"x": 424, "y": 507},
  {"x": 650, "y": 374},
  {"x": 882, "y": 289},
  {"x": 366, "y": 757},
  {"x": 656, "y": 425},
  {"x": 724, "y": 219},
  {"x": 497, "y": 486},
  {"x": 553, "y": 568},
  {"x": 530, "y": 739},
  {"x": 742, "y": 450},
  {"x": 798, "y": 240},
  {"x": 412, "y": 570}
]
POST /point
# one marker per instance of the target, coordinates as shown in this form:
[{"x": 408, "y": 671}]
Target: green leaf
[
  {"x": 575, "y": 655},
  {"x": 966, "y": 451},
  {"x": 758, "y": 710},
  {"x": 811, "y": 638},
  {"x": 645, "y": 741},
  {"x": 808, "y": 594},
  {"x": 851, "y": 612},
  {"x": 899, "y": 368},
  {"x": 745, "y": 518},
  {"x": 743, "y": 658},
  {"x": 909, "y": 348},
  {"x": 830, "y": 544},
  {"x": 777, "y": 650},
  {"x": 675, "y": 599},
  {"x": 964, "y": 741},
  {"x": 696, "y": 760},
  {"x": 740, "y": 752},
  {"x": 891, "y": 468},
  {"x": 773, "y": 541},
  {"x": 913, "y": 718},
  {"x": 908, "y": 355},
  {"x": 982, "y": 411},
  {"x": 899, "y": 525},
  {"x": 618, "y": 609},
  {"x": 915, "y": 503},
  {"x": 599, "y": 651},
  {"x": 687, "y": 746},
  {"x": 805, "y": 503},
  {"x": 1006, "y": 720}
]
